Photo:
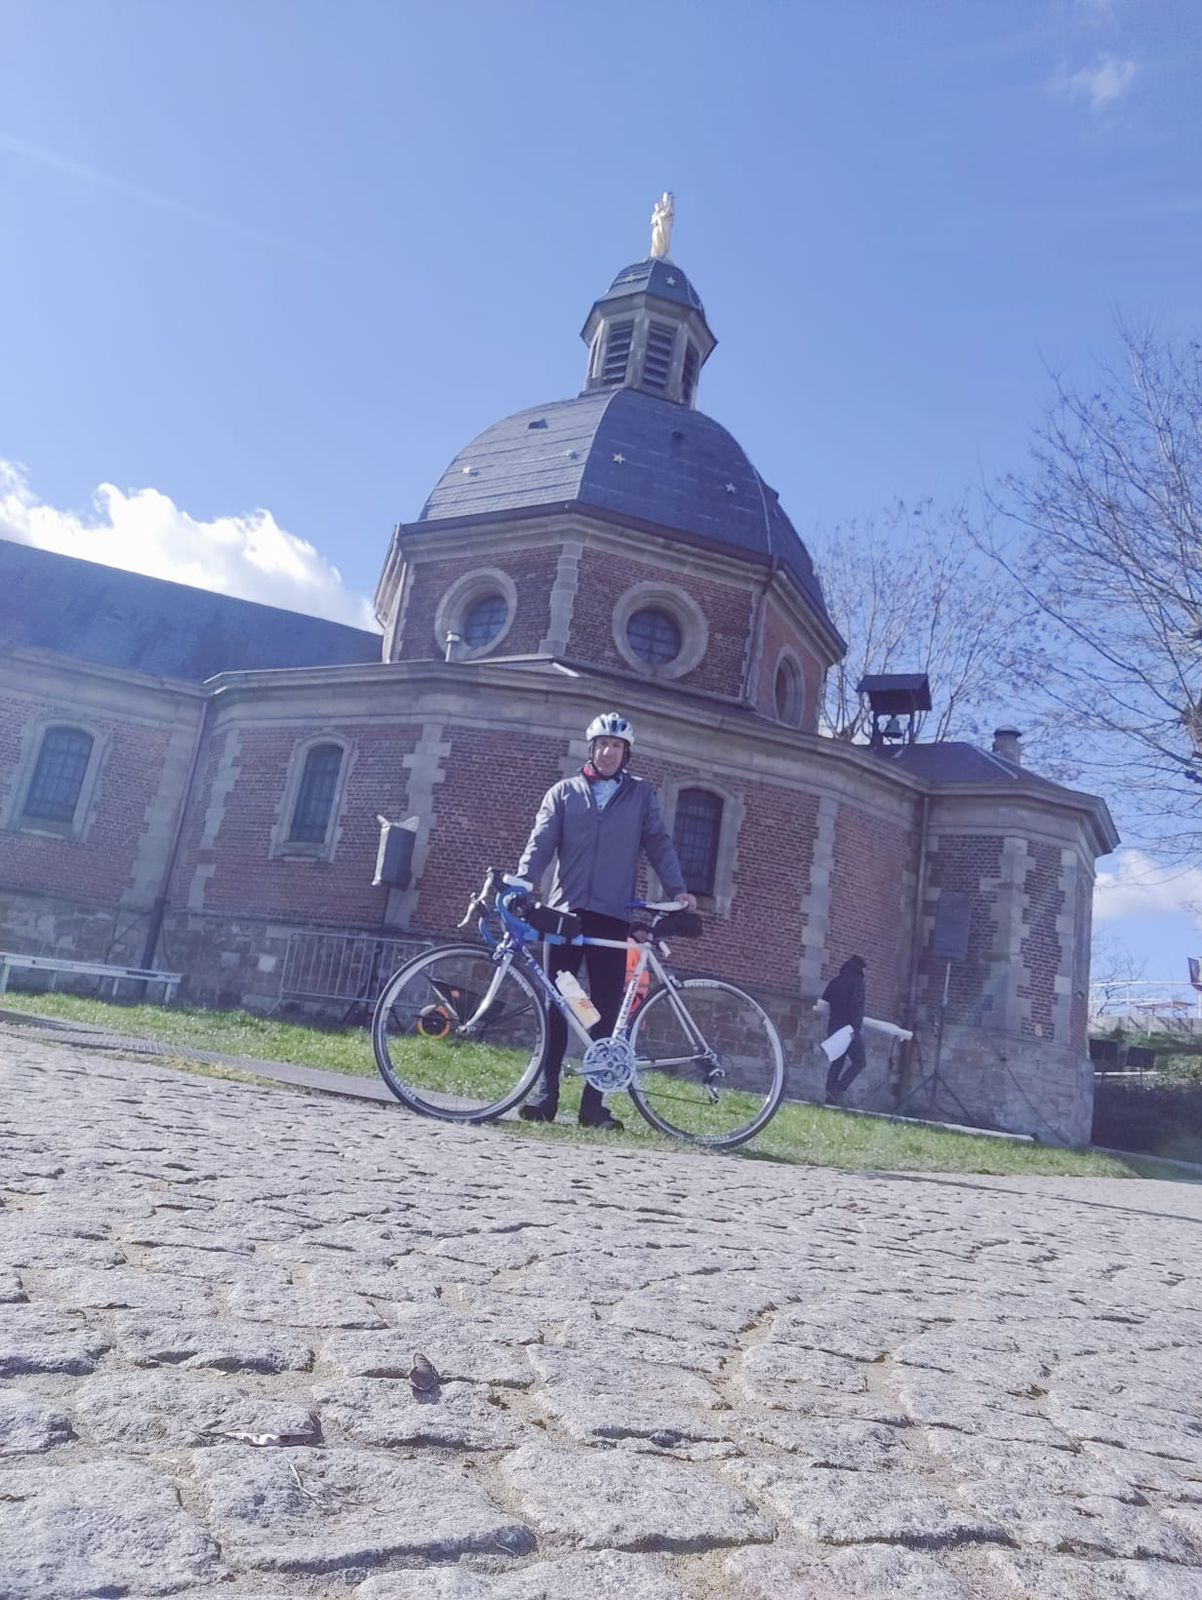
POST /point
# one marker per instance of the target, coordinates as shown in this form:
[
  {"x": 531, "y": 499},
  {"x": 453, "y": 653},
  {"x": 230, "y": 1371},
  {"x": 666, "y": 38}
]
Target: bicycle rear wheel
[
  {"x": 710, "y": 1064},
  {"x": 458, "y": 1037}
]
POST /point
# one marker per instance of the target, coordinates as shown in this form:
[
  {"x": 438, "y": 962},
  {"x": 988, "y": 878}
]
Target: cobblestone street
[{"x": 662, "y": 1377}]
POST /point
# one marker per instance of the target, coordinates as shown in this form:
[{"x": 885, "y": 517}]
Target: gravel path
[{"x": 662, "y": 1377}]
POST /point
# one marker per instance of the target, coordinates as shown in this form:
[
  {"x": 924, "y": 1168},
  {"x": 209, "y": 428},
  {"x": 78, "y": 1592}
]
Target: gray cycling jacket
[{"x": 597, "y": 852}]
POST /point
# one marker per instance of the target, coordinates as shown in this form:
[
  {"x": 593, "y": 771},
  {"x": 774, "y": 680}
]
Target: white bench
[{"x": 10, "y": 960}]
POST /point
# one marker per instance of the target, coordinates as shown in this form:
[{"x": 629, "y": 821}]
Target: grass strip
[{"x": 800, "y": 1134}]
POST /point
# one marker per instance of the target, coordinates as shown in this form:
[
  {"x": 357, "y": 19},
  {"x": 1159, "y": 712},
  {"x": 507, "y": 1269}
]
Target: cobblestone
[{"x": 663, "y": 1376}]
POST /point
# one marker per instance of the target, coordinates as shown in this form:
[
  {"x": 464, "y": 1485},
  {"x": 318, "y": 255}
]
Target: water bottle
[{"x": 584, "y": 1009}]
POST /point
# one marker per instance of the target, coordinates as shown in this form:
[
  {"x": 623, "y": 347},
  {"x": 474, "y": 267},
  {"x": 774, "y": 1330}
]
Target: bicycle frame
[{"x": 513, "y": 946}]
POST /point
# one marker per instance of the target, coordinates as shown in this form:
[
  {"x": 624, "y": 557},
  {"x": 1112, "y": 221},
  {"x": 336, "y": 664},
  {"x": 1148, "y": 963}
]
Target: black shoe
[
  {"x": 603, "y": 1122},
  {"x": 538, "y": 1111}
]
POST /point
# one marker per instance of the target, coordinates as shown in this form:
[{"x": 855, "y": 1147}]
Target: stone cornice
[{"x": 689, "y": 726}]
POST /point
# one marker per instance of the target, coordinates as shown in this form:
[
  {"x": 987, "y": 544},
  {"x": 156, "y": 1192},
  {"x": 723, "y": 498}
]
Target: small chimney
[{"x": 1008, "y": 743}]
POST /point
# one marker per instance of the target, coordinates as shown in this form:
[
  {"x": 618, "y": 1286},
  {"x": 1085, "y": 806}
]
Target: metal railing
[
  {"x": 1156, "y": 1004},
  {"x": 341, "y": 970}
]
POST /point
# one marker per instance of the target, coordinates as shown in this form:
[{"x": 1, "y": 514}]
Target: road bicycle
[{"x": 460, "y": 1032}]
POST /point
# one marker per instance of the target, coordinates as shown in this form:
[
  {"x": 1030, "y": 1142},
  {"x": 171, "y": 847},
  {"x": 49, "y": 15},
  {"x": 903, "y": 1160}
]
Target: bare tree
[
  {"x": 1104, "y": 536},
  {"x": 1113, "y": 968},
  {"x": 910, "y": 592}
]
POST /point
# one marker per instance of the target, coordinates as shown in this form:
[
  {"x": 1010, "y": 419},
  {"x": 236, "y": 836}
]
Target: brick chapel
[{"x": 190, "y": 781}]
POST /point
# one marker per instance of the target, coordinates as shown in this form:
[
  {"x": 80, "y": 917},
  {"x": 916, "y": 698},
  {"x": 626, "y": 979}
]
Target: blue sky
[{"x": 267, "y": 266}]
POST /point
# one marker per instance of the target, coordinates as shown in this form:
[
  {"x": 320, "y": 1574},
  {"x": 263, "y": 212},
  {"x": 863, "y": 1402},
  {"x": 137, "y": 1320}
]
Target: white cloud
[
  {"x": 1101, "y": 85},
  {"x": 1137, "y": 884},
  {"x": 143, "y": 530}
]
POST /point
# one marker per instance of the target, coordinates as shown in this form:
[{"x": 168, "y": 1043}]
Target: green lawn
[
  {"x": 232, "y": 1033},
  {"x": 799, "y": 1134}
]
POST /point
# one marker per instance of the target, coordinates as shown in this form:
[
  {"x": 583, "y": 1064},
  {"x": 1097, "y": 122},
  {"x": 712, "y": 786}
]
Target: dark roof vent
[
  {"x": 617, "y": 351},
  {"x": 539, "y": 422},
  {"x": 657, "y": 361}
]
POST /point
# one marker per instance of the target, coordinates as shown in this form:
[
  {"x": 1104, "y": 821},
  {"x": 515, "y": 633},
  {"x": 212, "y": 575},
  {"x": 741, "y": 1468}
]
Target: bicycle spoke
[
  {"x": 679, "y": 1090},
  {"x": 435, "y": 1058}
]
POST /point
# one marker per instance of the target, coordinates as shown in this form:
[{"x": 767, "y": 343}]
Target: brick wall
[
  {"x": 871, "y": 908},
  {"x": 971, "y": 864},
  {"x": 1041, "y": 953},
  {"x": 532, "y": 572},
  {"x": 780, "y": 634},
  {"x": 97, "y": 867},
  {"x": 760, "y": 942},
  {"x": 485, "y": 804},
  {"x": 727, "y": 607},
  {"x": 232, "y": 868},
  {"x": 1082, "y": 933}
]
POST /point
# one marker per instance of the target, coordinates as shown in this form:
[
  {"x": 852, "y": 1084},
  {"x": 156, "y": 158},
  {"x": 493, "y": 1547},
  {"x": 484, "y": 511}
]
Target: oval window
[
  {"x": 654, "y": 636},
  {"x": 788, "y": 692}
]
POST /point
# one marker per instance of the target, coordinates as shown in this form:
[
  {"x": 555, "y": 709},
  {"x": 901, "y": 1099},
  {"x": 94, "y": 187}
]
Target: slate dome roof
[
  {"x": 656, "y": 276},
  {"x": 635, "y": 456}
]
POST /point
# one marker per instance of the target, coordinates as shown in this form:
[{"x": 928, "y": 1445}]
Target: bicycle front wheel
[
  {"x": 710, "y": 1067},
  {"x": 458, "y": 1036}
]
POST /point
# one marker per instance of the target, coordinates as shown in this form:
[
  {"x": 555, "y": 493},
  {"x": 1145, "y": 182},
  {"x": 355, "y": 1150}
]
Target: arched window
[
  {"x": 697, "y": 829},
  {"x": 484, "y": 619},
  {"x": 788, "y": 691},
  {"x": 315, "y": 797},
  {"x": 654, "y": 636},
  {"x": 58, "y": 776}
]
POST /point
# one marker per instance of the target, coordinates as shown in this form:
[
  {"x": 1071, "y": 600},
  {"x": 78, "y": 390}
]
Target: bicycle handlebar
[{"x": 478, "y": 904}]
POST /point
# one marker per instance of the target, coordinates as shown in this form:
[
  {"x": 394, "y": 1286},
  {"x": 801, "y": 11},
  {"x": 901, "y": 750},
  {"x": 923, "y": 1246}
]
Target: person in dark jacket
[
  {"x": 844, "y": 994},
  {"x": 595, "y": 827}
]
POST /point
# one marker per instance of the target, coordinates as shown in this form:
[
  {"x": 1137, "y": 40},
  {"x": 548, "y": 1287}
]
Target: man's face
[{"x": 608, "y": 756}]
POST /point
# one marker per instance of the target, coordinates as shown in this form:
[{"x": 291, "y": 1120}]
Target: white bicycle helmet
[{"x": 610, "y": 725}]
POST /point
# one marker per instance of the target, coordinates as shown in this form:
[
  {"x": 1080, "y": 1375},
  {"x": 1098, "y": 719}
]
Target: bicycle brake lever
[{"x": 474, "y": 908}]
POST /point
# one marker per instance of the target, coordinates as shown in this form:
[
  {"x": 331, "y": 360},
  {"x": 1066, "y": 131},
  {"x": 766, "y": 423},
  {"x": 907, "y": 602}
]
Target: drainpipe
[{"x": 158, "y": 910}]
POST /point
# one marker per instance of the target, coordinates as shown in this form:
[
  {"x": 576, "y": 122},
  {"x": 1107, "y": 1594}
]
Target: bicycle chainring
[{"x": 609, "y": 1064}]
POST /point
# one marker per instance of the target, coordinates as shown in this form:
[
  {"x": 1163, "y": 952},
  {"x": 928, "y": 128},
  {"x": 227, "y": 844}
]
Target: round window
[
  {"x": 483, "y": 620},
  {"x": 654, "y": 636}
]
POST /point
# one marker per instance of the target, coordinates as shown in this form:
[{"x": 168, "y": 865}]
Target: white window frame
[
  {"x": 721, "y": 900},
  {"x": 457, "y": 602},
  {"x": 282, "y": 847},
  {"x": 14, "y": 817},
  {"x": 684, "y": 611},
  {"x": 787, "y": 659}
]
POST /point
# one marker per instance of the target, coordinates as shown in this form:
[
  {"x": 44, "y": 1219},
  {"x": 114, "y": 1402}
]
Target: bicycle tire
[
  {"x": 435, "y": 1065},
  {"x": 721, "y": 1101}
]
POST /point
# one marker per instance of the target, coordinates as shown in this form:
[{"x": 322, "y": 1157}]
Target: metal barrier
[
  {"x": 341, "y": 969},
  {"x": 1157, "y": 1004}
]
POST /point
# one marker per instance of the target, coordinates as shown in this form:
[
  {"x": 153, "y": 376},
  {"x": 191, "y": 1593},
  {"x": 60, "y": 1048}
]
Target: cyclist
[{"x": 595, "y": 826}]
